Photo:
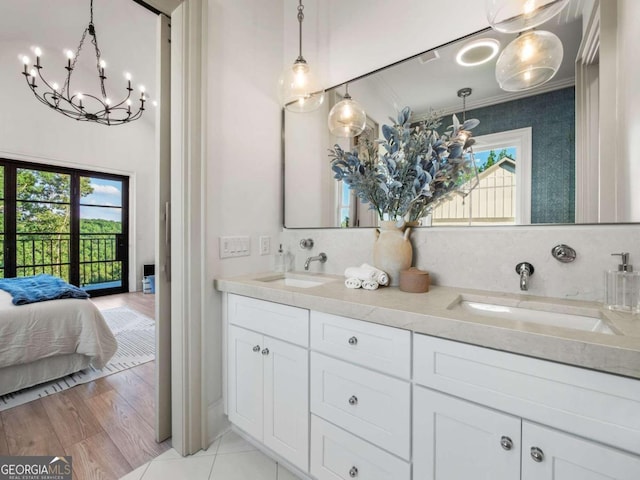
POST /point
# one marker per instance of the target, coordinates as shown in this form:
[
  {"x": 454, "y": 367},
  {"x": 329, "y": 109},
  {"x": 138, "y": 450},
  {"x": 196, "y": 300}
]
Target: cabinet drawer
[
  {"x": 369, "y": 404},
  {"x": 280, "y": 321},
  {"x": 336, "y": 454},
  {"x": 382, "y": 348},
  {"x": 584, "y": 402}
]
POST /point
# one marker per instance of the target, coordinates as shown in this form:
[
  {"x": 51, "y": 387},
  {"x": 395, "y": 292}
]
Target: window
[{"x": 503, "y": 195}]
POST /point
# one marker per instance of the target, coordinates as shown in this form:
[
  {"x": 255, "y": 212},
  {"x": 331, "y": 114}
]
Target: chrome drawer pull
[
  {"x": 506, "y": 443},
  {"x": 256, "y": 348},
  {"x": 537, "y": 454},
  {"x": 265, "y": 351},
  {"x": 353, "y": 472},
  {"x": 353, "y": 400},
  {"x": 353, "y": 341}
]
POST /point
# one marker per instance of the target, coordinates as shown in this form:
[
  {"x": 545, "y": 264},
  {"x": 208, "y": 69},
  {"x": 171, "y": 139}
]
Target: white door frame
[{"x": 188, "y": 233}]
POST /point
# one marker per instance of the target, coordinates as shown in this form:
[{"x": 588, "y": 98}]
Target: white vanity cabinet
[
  {"x": 498, "y": 431},
  {"x": 267, "y": 383},
  {"x": 360, "y": 399},
  {"x": 455, "y": 439}
]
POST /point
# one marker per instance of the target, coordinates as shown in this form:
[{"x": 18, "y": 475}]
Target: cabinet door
[
  {"x": 551, "y": 454},
  {"x": 454, "y": 439},
  {"x": 286, "y": 401},
  {"x": 245, "y": 387}
]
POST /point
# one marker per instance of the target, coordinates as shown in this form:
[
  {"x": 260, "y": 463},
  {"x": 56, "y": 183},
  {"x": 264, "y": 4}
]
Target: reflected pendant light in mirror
[
  {"x": 472, "y": 180},
  {"x": 300, "y": 90},
  {"x": 528, "y": 61},
  {"x": 513, "y": 16},
  {"x": 347, "y": 118}
]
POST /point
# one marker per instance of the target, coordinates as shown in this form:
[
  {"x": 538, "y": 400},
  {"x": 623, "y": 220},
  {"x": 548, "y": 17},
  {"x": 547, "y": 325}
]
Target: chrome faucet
[
  {"x": 525, "y": 269},
  {"x": 320, "y": 258}
]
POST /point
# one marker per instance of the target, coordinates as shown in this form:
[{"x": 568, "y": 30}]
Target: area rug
[{"x": 136, "y": 345}]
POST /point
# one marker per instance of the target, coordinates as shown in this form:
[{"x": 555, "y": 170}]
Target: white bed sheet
[{"x": 56, "y": 327}]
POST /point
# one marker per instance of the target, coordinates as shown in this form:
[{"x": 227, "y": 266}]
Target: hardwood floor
[{"x": 107, "y": 425}]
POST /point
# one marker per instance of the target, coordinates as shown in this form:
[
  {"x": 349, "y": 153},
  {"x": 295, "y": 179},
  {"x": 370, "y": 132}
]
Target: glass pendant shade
[
  {"x": 529, "y": 61},
  {"x": 347, "y": 118},
  {"x": 300, "y": 91},
  {"x": 513, "y": 16}
]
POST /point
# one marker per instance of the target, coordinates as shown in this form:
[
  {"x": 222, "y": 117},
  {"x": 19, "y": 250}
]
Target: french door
[{"x": 65, "y": 222}]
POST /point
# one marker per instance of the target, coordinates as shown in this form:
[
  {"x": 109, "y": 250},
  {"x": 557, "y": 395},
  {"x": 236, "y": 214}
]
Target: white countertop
[{"x": 430, "y": 313}]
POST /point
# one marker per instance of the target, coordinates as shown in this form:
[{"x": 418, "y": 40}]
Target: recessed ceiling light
[{"x": 478, "y": 52}]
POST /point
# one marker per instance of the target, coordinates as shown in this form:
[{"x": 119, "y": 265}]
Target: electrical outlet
[
  {"x": 235, "y": 246},
  {"x": 265, "y": 245}
]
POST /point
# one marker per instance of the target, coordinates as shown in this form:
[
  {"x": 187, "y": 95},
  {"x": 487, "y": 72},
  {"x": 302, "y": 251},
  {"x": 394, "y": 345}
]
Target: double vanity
[{"x": 450, "y": 384}]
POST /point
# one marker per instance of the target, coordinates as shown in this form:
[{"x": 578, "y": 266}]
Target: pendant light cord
[{"x": 300, "y": 19}]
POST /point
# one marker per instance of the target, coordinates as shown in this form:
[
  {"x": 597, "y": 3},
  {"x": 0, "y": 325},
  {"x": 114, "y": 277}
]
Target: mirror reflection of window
[{"x": 503, "y": 195}]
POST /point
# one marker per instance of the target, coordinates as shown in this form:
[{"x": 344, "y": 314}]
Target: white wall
[
  {"x": 244, "y": 169},
  {"x": 30, "y": 131}
]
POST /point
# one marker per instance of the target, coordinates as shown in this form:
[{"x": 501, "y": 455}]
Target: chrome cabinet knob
[
  {"x": 256, "y": 348},
  {"x": 353, "y": 341},
  {"x": 265, "y": 351},
  {"x": 506, "y": 443},
  {"x": 537, "y": 454},
  {"x": 353, "y": 472},
  {"x": 353, "y": 400}
]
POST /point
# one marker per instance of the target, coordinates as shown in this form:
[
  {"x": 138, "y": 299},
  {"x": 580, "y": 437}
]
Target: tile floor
[{"x": 229, "y": 458}]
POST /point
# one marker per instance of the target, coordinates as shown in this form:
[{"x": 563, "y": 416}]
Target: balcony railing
[{"x": 51, "y": 253}]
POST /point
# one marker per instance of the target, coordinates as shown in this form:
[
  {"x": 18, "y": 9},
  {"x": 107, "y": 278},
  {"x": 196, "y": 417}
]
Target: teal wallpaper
[{"x": 551, "y": 117}]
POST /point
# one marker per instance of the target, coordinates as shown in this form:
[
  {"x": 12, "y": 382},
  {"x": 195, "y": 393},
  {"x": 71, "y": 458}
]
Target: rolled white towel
[
  {"x": 353, "y": 283},
  {"x": 370, "y": 285},
  {"x": 359, "y": 272},
  {"x": 378, "y": 275}
]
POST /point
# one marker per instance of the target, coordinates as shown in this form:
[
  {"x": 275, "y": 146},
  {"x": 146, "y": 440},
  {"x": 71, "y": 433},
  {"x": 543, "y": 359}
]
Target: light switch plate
[
  {"x": 238, "y": 246},
  {"x": 265, "y": 245}
]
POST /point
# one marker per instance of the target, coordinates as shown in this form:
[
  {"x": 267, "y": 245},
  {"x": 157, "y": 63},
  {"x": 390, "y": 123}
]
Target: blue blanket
[{"x": 39, "y": 289}]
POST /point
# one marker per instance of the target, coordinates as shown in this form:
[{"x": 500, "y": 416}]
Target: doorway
[{"x": 70, "y": 223}]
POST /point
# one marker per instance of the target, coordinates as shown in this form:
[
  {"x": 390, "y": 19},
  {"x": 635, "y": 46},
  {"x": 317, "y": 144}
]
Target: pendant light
[
  {"x": 529, "y": 61},
  {"x": 347, "y": 118},
  {"x": 513, "y": 16},
  {"x": 300, "y": 91},
  {"x": 464, "y": 137}
]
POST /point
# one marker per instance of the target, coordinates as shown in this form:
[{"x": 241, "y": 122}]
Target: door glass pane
[
  {"x": 43, "y": 223},
  {"x": 102, "y": 243},
  {"x": 39, "y": 185}
]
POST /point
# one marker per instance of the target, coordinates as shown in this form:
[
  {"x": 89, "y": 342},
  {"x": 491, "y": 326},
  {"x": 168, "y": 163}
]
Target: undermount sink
[
  {"x": 295, "y": 280},
  {"x": 586, "y": 320}
]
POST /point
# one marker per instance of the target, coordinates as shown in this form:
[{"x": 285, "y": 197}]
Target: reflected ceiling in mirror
[{"x": 525, "y": 141}]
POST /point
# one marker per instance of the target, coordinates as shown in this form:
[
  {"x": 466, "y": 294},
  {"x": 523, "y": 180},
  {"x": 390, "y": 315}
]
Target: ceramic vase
[{"x": 392, "y": 250}]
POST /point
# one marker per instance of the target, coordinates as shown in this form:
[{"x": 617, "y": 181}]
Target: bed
[{"x": 43, "y": 341}]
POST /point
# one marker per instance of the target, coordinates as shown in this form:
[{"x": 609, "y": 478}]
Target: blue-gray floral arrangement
[{"x": 414, "y": 170}]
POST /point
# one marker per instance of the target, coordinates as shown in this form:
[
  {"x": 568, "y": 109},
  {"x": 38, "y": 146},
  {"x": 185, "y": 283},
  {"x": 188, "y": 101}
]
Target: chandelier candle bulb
[{"x": 69, "y": 58}]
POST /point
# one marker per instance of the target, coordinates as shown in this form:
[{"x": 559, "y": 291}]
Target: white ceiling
[{"x": 126, "y": 35}]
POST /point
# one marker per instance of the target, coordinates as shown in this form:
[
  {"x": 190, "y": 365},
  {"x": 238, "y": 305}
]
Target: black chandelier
[{"x": 82, "y": 106}]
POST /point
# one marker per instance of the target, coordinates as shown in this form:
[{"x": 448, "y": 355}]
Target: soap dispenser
[
  {"x": 279, "y": 260},
  {"x": 622, "y": 287}
]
